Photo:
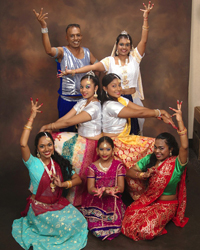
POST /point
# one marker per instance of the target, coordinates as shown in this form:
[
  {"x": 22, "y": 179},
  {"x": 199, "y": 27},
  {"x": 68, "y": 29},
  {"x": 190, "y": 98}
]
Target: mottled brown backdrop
[{"x": 26, "y": 71}]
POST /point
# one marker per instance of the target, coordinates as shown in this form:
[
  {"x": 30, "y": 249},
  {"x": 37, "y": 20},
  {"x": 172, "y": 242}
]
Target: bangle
[
  {"x": 44, "y": 30},
  {"x": 157, "y": 113},
  {"x": 138, "y": 175},
  {"x": 182, "y": 132},
  {"x": 73, "y": 72},
  {"x": 69, "y": 184},
  {"x": 27, "y": 127},
  {"x": 145, "y": 27}
]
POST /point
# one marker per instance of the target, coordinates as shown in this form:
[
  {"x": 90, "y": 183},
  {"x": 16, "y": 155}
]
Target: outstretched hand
[
  {"x": 112, "y": 191},
  {"x": 99, "y": 192},
  {"x": 147, "y": 9},
  {"x": 64, "y": 73},
  {"x": 41, "y": 17},
  {"x": 35, "y": 108},
  {"x": 178, "y": 112}
]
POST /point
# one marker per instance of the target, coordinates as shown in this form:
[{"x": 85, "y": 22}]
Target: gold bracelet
[
  {"x": 69, "y": 184},
  {"x": 27, "y": 127},
  {"x": 157, "y": 113},
  {"x": 145, "y": 27},
  {"x": 73, "y": 72},
  {"x": 182, "y": 132}
]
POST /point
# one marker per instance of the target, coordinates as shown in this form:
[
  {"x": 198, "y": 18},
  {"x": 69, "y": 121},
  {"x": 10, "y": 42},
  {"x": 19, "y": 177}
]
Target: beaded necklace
[{"x": 50, "y": 172}]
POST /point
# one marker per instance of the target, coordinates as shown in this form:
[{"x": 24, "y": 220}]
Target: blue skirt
[{"x": 61, "y": 229}]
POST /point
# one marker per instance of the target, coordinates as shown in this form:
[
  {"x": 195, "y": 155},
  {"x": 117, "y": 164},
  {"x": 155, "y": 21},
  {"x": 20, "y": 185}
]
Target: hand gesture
[
  {"x": 35, "y": 108},
  {"x": 147, "y": 9},
  {"x": 99, "y": 192},
  {"x": 112, "y": 191},
  {"x": 57, "y": 181},
  {"x": 64, "y": 73},
  {"x": 41, "y": 18},
  {"x": 178, "y": 112},
  {"x": 166, "y": 117}
]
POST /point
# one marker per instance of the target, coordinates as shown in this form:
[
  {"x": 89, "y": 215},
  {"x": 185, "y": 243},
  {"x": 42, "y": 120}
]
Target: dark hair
[
  {"x": 124, "y": 36},
  {"x": 107, "y": 139},
  {"x": 65, "y": 165},
  {"x": 95, "y": 80},
  {"x": 170, "y": 141},
  {"x": 72, "y": 25},
  {"x": 107, "y": 79}
]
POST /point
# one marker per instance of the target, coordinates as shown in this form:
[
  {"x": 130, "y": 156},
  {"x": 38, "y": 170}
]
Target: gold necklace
[
  {"x": 50, "y": 172},
  {"x": 104, "y": 168},
  {"x": 125, "y": 81}
]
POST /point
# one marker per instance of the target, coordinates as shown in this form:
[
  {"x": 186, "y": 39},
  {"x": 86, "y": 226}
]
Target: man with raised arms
[{"x": 72, "y": 56}]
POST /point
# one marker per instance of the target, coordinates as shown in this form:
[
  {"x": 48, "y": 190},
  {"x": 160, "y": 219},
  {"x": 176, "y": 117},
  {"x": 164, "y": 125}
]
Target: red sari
[{"x": 146, "y": 218}]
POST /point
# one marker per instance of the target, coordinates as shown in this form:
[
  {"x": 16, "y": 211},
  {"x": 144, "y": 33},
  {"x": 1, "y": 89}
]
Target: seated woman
[
  {"x": 165, "y": 197},
  {"x": 50, "y": 221},
  {"x": 125, "y": 62},
  {"x": 80, "y": 149},
  {"x": 103, "y": 206},
  {"x": 115, "y": 112}
]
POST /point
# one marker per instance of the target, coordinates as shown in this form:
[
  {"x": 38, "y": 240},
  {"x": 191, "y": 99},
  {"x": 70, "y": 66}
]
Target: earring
[
  {"x": 38, "y": 154},
  {"x": 170, "y": 154},
  {"x": 106, "y": 93},
  {"x": 117, "y": 53},
  {"x": 95, "y": 94}
]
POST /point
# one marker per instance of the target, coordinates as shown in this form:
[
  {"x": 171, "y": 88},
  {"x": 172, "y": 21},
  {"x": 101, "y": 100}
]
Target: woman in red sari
[{"x": 165, "y": 197}]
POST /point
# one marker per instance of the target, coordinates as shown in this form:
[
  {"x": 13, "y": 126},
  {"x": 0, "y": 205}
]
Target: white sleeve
[
  {"x": 113, "y": 108},
  {"x": 93, "y": 109},
  {"x": 106, "y": 63}
]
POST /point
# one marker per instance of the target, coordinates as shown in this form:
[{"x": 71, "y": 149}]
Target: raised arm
[
  {"x": 51, "y": 51},
  {"x": 145, "y": 28},
  {"x": 27, "y": 129},
  {"x": 182, "y": 131}
]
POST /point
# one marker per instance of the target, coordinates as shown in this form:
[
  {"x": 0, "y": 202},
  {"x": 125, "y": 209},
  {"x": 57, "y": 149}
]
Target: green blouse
[{"x": 176, "y": 176}]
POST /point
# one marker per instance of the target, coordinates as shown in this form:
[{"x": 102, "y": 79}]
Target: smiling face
[
  {"x": 114, "y": 89},
  {"x": 161, "y": 149},
  {"x": 105, "y": 151},
  {"x": 45, "y": 148},
  {"x": 74, "y": 37},
  {"x": 124, "y": 46},
  {"x": 87, "y": 88}
]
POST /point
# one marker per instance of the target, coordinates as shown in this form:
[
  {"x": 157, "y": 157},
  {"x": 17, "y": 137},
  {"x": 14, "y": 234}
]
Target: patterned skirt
[
  {"x": 150, "y": 221},
  {"x": 62, "y": 229},
  {"x": 81, "y": 152}
]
